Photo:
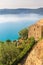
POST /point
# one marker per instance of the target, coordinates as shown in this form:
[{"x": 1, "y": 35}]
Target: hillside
[
  {"x": 36, "y": 55},
  {"x": 21, "y": 11}
]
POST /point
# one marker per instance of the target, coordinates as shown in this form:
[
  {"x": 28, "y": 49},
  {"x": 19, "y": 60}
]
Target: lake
[{"x": 10, "y": 25}]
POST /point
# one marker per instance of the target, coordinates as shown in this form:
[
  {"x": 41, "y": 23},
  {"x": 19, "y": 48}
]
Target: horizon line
[{"x": 22, "y": 8}]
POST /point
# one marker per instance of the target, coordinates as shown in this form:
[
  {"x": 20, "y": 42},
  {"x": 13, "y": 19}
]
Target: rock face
[
  {"x": 36, "y": 30},
  {"x": 36, "y": 55}
]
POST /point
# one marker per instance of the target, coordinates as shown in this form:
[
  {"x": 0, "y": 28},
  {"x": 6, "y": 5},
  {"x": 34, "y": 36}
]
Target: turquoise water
[
  {"x": 10, "y": 30},
  {"x": 11, "y": 25}
]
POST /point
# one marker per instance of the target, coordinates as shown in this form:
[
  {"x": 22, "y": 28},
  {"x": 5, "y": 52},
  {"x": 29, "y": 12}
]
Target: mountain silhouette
[{"x": 21, "y": 11}]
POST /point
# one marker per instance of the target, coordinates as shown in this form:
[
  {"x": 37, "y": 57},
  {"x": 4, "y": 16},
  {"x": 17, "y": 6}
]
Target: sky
[
  {"x": 21, "y": 4},
  {"x": 14, "y": 4}
]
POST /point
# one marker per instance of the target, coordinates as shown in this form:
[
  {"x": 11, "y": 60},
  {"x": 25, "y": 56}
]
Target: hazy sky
[{"x": 21, "y": 3}]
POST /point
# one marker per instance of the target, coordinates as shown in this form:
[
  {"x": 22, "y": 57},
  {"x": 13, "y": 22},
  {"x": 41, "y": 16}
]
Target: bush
[
  {"x": 9, "y": 52},
  {"x": 24, "y": 33},
  {"x": 12, "y": 54},
  {"x": 23, "y": 53}
]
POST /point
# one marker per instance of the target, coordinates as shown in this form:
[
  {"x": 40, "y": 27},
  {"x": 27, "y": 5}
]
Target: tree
[
  {"x": 8, "y": 41},
  {"x": 24, "y": 33}
]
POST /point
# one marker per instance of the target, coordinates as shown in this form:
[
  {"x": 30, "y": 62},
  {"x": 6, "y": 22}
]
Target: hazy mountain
[{"x": 21, "y": 11}]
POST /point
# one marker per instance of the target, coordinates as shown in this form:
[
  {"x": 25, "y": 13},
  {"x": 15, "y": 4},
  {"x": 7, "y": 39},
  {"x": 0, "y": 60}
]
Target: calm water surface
[{"x": 10, "y": 25}]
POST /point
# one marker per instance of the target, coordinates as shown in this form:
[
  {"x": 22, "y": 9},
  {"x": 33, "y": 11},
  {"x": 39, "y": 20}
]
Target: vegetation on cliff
[{"x": 11, "y": 52}]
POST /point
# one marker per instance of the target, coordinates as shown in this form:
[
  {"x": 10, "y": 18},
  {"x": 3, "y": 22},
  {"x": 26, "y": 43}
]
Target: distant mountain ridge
[{"x": 21, "y": 11}]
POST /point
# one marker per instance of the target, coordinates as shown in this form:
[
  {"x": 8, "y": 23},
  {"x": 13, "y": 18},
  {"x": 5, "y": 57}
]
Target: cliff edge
[{"x": 36, "y": 55}]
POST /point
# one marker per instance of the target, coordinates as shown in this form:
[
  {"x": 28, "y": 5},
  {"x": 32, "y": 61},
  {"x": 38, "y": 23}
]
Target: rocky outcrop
[{"x": 36, "y": 55}]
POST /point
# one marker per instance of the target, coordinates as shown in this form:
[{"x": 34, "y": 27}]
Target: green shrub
[
  {"x": 23, "y": 53},
  {"x": 24, "y": 33}
]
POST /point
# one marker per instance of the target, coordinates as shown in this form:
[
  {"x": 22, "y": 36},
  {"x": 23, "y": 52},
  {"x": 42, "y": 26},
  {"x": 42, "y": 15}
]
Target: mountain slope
[
  {"x": 36, "y": 55},
  {"x": 22, "y": 11}
]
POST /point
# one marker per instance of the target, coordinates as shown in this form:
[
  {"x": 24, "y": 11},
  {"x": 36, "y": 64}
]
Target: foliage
[
  {"x": 12, "y": 52},
  {"x": 24, "y": 33},
  {"x": 32, "y": 40},
  {"x": 8, "y": 40},
  {"x": 25, "y": 50},
  {"x": 9, "y": 52},
  {"x": 21, "y": 46}
]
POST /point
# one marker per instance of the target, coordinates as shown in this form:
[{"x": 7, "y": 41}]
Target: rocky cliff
[{"x": 36, "y": 55}]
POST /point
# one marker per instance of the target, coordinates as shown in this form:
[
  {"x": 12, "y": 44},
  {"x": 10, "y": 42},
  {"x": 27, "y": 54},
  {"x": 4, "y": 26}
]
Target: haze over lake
[{"x": 11, "y": 24}]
